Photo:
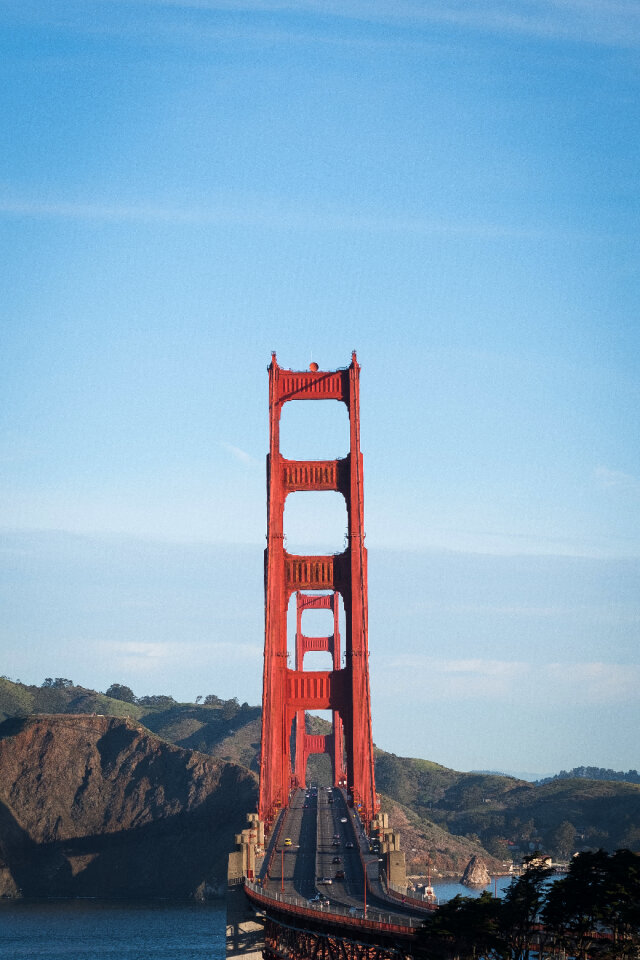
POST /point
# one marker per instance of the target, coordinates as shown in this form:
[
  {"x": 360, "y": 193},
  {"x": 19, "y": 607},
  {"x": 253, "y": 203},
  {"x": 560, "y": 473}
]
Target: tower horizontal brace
[
  {"x": 316, "y": 475},
  {"x": 315, "y": 572},
  {"x": 316, "y": 644},
  {"x": 309, "y": 385},
  {"x": 314, "y": 689}
]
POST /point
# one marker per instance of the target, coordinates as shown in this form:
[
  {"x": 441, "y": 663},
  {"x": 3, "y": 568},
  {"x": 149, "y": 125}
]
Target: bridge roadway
[{"x": 326, "y": 839}]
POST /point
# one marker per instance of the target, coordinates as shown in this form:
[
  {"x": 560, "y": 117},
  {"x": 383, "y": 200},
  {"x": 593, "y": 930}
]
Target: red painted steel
[
  {"x": 345, "y": 691},
  {"x": 306, "y": 743}
]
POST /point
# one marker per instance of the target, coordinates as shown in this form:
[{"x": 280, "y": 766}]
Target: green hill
[{"x": 445, "y": 815}]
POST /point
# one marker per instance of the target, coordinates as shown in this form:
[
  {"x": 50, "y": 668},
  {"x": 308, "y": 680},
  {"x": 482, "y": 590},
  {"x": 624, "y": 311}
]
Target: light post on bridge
[{"x": 365, "y": 891}]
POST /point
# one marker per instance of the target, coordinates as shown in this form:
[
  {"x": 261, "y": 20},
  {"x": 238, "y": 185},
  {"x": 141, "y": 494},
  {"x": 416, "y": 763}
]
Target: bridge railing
[
  {"x": 351, "y": 916},
  {"x": 399, "y": 892},
  {"x": 274, "y": 839}
]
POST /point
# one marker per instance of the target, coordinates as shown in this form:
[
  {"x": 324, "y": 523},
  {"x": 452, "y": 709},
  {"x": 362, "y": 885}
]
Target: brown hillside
[{"x": 98, "y": 806}]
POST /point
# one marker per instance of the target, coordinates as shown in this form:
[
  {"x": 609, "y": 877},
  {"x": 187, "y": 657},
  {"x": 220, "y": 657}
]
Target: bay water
[
  {"x": 108, "y": 930},
  {"x": 113, "y": 930}
]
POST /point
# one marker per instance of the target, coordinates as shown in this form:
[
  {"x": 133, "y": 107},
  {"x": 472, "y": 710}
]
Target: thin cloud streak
[
  {"x": 141, "y": 656},
  {"x": 437, "y": 680},
  {"x": 238, "y": 454},
  {"x": 617, "y": 480},
  {"x": 277, "y": 216},
  {"x": 599, "y": 22}
]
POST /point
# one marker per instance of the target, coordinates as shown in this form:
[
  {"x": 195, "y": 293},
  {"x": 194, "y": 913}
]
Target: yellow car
[{"x": 287, "y": 841}]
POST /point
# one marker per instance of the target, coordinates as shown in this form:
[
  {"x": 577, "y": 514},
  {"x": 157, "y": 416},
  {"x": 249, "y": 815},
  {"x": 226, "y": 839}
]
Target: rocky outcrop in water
[
  {"x": 476, "y": 873},
  {"x": 98, "y": 807}
]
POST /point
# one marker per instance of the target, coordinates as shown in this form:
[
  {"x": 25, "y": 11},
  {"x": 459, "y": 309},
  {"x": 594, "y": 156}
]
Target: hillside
[
  {"x": 445, "y": 816},
  {"x": 96, "y": 806}
]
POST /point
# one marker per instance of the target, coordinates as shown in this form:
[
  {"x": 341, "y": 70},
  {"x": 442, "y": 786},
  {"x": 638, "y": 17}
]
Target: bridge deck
[{"x": 326, "y": 839}]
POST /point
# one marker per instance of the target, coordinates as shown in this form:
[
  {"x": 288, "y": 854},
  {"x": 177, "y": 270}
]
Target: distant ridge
[{"x": 593, "y": 773}]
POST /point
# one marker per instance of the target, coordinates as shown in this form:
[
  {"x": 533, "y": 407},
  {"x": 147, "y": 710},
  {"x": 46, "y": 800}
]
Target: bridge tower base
[{"x": 245, "y": 934}]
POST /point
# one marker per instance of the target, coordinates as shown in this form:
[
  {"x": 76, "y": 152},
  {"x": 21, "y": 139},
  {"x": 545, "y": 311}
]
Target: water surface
[{"x": 101, "y": 930}]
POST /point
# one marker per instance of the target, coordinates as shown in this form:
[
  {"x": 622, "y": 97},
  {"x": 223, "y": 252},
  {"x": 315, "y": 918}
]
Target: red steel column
[{"x": 288, "y": 693}]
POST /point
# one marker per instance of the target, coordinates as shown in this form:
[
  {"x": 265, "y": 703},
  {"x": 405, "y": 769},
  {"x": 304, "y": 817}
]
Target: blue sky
[{"x": 451, "y": 188}]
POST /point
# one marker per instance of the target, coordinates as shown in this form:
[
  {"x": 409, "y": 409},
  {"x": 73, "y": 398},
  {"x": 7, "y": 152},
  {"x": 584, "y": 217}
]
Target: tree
[
  {"x": 621, "y": 908},
  {"x": 117, "y": 691},
  {"x": 466, "y": 927},
  {"x": 576, "y": 903},
  {"x": 563, "y": 840},
  {"x": 498, "y": 847},
  {"x": 230, "y": 708},
  {"x": 157, "y": 700},
  {"x": 522, "y": 904},
  {"x": 211, "y": 700}
]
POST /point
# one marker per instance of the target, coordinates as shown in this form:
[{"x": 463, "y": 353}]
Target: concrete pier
[{"x": 245, "y": 933}]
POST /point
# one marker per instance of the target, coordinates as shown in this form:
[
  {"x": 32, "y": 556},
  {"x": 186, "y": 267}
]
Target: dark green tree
[
  {"x": 465, "y": 928},
  {"x": 159, "y": 700},
  {"x": 621, "y": 906},
  {"x": 521, "y": 907},
  {"x": 230, "y": 708},
  {"x": 563, "y": 840},
  {"x": 117, "y": 691},
  {"x": 575, "y": 903}
]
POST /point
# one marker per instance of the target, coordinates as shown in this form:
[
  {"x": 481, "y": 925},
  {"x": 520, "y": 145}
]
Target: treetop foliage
[
  {"x": 593, "y": 911},
  {"x": 594, "y": 773}
]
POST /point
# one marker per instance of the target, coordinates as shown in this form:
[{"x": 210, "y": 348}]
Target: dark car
[
  {"x": 339, "y": 875},
  {"x": 349, "y": 845},
  {"x": 336, "y": 860}
]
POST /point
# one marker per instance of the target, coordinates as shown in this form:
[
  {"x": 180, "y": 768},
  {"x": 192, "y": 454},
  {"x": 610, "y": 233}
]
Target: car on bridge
[
  {"x": 339, "y": 875},
  {"x": 288, "y": 842},
  {"x": 319, "y": 900},
  {"x": 349, "y": 845},
  {"x": 326, "y": 881},
  {"x": 336, "y": 860}
]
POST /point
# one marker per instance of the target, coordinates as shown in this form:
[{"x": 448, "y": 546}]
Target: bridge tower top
[{"x": 288, "y": 693}]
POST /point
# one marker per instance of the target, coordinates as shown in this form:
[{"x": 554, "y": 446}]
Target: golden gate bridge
[{"x": 320, "y": 864}]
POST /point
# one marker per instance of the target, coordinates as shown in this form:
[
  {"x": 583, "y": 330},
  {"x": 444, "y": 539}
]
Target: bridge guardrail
[
  {"x": 398, "y": 893},
  {"x": 273, "y": 843},
  {"x": 375, "y": 920}
]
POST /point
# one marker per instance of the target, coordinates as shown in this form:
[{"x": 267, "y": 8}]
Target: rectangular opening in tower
[{"x": 311, "y": 430}]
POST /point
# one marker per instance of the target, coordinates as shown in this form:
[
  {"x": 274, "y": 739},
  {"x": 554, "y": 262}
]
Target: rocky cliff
[
  {"x": 98, "y": 806},
  {"x": 476, "y": 873}
]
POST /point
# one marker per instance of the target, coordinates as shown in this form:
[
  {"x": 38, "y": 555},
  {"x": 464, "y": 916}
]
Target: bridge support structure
[
  {"x": 287, "y": 692},
  {"x": 285, "y": 942},
  {"x": 306, "y": 743}
]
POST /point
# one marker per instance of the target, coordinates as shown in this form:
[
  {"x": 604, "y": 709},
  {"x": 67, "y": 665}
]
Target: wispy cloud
[
  {"x": 617, "y": 480},
  {"x": 511, "y": 681},
  {"x": 240, "y": 454},
  {"x": 602, "y": 22},
  {"x": 283, "y": 215},
  {"x": 142, "y": 656}
]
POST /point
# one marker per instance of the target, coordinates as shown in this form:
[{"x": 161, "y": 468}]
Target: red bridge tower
[{"x": 288, "y": 693}]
